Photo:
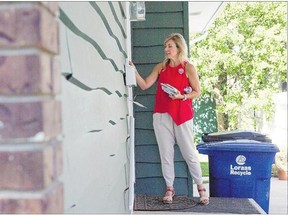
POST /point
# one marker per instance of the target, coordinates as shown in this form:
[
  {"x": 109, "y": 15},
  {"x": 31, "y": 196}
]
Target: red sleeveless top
[{"x": 180, "y": 111}]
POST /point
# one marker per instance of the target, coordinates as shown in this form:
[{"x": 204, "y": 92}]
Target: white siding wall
[{"x": 96, "y": 166}]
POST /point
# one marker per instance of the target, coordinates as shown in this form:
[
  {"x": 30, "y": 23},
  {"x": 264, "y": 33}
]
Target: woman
[{"x": 173, "y": 113}]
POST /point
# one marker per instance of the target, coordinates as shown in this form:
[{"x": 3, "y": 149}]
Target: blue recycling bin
[{"x": 239, "y": 165}]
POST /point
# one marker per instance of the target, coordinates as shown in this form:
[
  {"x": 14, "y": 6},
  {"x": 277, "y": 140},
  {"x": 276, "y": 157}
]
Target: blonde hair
[{"x": 180, "y": 42}]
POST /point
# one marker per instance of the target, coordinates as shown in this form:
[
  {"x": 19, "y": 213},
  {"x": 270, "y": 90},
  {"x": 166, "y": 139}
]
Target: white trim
[{"x": 131, "y": 120}]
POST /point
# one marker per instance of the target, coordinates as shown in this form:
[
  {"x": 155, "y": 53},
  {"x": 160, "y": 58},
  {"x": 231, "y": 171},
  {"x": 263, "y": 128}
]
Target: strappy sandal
[
  {"x": 168, "y": 198},
  {"x": 204, "y": 200}
]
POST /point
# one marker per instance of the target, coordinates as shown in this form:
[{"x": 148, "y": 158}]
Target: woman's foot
[
  {"x": 168, "y": 197},
  {"x": 204, "y": 199}
]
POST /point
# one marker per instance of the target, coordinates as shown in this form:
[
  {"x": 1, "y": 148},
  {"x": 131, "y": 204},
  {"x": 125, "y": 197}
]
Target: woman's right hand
[{"x": 150, "y": 80}]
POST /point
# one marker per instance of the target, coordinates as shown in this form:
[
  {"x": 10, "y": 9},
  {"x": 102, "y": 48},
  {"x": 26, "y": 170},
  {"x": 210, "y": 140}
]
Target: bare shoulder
[
  {"x": 191, "y": 69},
  {"x": 157, "y": 68},
  {"x": 190, "y": 66}
]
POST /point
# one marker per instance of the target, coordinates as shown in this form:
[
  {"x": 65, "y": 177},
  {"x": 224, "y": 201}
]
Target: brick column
[{"x": 30, "y": 111}]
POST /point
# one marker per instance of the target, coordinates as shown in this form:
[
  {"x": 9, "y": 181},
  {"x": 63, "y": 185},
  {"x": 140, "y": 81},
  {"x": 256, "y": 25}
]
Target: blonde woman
[{"x": 178, "y": 84}]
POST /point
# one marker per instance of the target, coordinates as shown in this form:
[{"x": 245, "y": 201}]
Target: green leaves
[{"x": 244, "y": 58}]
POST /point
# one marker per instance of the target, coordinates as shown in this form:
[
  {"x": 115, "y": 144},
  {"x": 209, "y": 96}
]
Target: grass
[
  {"x": 205, "y": 171},
  {"x": 205, "y": 168}
]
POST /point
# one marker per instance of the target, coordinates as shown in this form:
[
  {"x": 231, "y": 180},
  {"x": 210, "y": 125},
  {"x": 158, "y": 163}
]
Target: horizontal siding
[
  {"x": 148, "y": 54},
  {"x": 161, "y": 20},
  {"x": 145, "y": 69},
  {"x": 150, "y": 154},
  {"x": 150, "y": 91},
  {"x": 145, "y": 137},
  {"x": 144, "y": 170},
  {"x": 147, "y": 154},
  {"x": 148, "y": 101},
  {"x": 167, "y": 7},
  {"x": 144, "y": 120},
  {"x": 153, "y": 37},
  {"x": 156, "y": 186}
]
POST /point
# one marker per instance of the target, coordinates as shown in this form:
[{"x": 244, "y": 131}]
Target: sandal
[
  {"x": 168, "y": 198},
  {"x": 204, "y": 200}
]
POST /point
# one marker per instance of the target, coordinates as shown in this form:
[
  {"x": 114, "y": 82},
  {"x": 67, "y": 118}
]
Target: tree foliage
[{"x": 243, "y": 60}]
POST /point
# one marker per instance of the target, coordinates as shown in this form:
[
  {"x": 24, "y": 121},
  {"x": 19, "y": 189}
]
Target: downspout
[{"x": 131, "y": 120}]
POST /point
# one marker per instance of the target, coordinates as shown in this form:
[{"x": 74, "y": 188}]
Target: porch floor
[{"x": 146, "y": 204}]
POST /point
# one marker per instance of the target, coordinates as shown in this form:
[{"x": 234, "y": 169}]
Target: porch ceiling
[{"x": 203, "y": 14}]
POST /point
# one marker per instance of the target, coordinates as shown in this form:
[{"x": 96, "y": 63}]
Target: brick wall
[{"x": 30, "y": 111}]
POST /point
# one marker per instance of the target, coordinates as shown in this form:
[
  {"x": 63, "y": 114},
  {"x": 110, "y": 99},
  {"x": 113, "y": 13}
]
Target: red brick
[
  {"x": 27, "y": 120},
  {"x": 54, "y": 200},
  {"x": 51, "y": 6},
  {"x": 52, "y": 118},
  {"x": 49, "y": 202},
  {"x": 56, "y": 75},
  {"x": 30, "y": 74},
  {"x": 49, "y": 32},
  {"x": 20, "y": 74},
  {"x": 30, "y": 170},
  {"x": 57, "y": 158},
  {"x": 29, "y": 27},
  {"x": 20, "y": 206},
  {"x": 8, "y": 32}
]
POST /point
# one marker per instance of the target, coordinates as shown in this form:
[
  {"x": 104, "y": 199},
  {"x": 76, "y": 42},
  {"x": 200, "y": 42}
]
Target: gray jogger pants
[{"x": 167, "y": 133}]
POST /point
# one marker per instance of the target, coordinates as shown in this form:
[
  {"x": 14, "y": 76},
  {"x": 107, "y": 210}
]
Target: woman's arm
[
  {"x": 193, "y": 80},
  {"x": 150, "y": 79}
]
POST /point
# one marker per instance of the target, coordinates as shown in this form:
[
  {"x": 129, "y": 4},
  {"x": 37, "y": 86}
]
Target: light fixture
[{"x": 137, "y": 11}]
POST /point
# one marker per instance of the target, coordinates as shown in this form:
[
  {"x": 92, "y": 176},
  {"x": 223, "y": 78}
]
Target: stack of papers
[{"x": 169, "y": 89}]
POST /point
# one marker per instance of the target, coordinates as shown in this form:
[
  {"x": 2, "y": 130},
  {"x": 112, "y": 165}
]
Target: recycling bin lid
[
  {"x": 240, "y": 145},
  {"x": 235, "y": 135}
]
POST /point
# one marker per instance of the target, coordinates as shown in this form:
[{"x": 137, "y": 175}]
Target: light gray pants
[{"x": 167, "y": 133}]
